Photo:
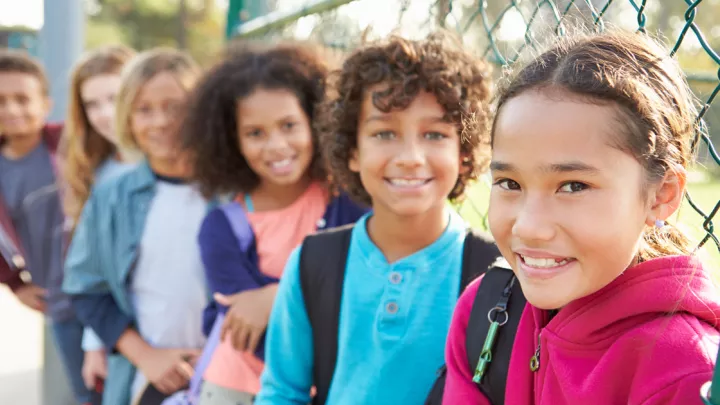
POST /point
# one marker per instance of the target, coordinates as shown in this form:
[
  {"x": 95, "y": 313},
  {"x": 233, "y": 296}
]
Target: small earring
[{"x": 659, "y": 223}]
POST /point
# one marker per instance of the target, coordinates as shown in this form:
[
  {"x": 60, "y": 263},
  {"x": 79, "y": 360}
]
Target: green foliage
[{"x": 144, "y": 24}]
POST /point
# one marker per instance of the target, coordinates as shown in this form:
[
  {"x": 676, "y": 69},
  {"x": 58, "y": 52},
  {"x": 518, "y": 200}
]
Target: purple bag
[{"x": 240, "y": 227}]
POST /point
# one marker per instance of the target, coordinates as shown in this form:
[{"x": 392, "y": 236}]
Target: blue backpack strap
[
  {"x": 248, "y": 203},
  {"x": 243, "y": 232},
  {"x": 204, "y": 361},
  {"x": 238, "y": 223},
  {"x": 192, "y": 395}
]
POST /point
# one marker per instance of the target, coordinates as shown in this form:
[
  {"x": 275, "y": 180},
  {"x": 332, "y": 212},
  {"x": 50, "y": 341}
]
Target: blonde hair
[
  {"x": 140, "y": 71},
  {"x": 82, "y": 147}
]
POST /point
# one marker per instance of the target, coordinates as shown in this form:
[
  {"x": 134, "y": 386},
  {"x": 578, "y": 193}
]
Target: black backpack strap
[
  {"x": 479, "y": 253},
  {"x": 498, "y": 287},
  {"x": 323, "y": 258}
]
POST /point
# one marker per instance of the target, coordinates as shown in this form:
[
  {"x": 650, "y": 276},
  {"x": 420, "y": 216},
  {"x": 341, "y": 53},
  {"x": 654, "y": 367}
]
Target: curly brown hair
[
  {"x": 656, "y": 109},
  {"x": 210, "y": 128},
  {"x": 438, "y": 65}
]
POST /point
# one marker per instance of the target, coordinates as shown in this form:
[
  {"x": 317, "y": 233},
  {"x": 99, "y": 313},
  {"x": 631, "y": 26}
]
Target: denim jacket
[{"x": 103, "y": 253}]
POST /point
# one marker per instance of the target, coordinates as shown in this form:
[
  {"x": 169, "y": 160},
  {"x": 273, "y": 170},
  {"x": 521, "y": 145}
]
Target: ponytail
[{"x": 665, "y": 241}]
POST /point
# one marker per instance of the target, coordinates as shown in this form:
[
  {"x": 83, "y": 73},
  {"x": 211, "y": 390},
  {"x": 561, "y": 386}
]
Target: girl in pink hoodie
[{"x": 590, "y": 146}]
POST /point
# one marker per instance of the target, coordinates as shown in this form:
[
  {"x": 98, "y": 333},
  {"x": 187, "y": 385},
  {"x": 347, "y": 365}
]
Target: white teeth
[
  {"x": 407, "y": 182},
  {"x": 543, "y": 262},
  {"x": 281, "y": 163}
]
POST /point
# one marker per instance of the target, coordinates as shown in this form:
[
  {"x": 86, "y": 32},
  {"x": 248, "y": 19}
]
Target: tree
[{"x": 195, "y": 25}]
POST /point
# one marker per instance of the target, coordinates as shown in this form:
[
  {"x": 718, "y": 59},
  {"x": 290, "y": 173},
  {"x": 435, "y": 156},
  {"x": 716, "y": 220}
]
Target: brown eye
[
  {"x": 507, "y": 184},
  {"x": 573, "y": 187},
  {"x": 435, "y": 136},
  {"x": 385, "y": 135}
]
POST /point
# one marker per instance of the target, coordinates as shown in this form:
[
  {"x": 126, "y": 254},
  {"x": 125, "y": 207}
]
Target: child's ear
[
  {"x": 464, "y": 164},
  {"x": 667, "y": 195},
  {"x": 48, "y": 105},
  {"x": 353, "y": 163}
]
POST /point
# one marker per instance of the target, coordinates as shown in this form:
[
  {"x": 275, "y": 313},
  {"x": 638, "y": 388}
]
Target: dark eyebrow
[
  {"x": 501, "y": 166},
  {"x": 437, "y": 118},
  {"x": 386, "y": 117},
  {"x": 565, "y": 167},
  {"x": 381, "y": 118}
]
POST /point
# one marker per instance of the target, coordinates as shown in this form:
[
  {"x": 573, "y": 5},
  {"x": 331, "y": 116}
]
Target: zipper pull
[{"x": 535, "y": 359}]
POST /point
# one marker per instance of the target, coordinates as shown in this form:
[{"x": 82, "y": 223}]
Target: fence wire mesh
[{"x": 504, "y": 30}]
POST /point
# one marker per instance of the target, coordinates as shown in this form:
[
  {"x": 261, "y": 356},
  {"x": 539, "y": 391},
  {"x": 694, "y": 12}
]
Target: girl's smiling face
[
  {"x": 98, "y": 97},
  {"x": 154, "y": 118},
  {"x": 568, "y": 206},
  {"x": 275, "y": 136}
]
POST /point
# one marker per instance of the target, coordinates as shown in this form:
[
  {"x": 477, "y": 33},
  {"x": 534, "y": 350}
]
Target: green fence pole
[
  {"x": 235, "y": 8},
  {"x": 256, "y": 8},
  {"x": 241, "y": 11},
  {"x": 711, "y": 390}
]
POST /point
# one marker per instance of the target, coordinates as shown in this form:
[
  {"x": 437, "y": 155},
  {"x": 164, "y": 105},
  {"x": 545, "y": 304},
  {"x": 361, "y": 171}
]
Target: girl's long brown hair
[{"x": 82, "y": 147}]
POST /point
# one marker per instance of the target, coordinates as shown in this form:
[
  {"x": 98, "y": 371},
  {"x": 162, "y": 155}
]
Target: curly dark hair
[
  {"x": 438, "y": 65},
  {"x": 209, "y": 131}
]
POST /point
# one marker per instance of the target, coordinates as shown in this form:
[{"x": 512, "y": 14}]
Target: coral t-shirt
[{"x": 277, "y": 233}]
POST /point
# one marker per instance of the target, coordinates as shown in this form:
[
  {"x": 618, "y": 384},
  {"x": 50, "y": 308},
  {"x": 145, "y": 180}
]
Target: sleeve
[
  {"x": 287, "y": 377},
  {"x": 102, "y": 313},
  {"x": 658, "y": 381},
  {"x": 85, "y": 281},
  {"x": 91, "y": 341},
  {"x": 9, "y": 277},
  {"x": 686, "y": 391},
  {"x": 459, "y": 387},
  {"x": 227, "y": 267}
]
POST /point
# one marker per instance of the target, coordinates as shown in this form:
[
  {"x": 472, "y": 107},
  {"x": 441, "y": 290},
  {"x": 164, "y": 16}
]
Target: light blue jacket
[{"x": 103, "y": 253}]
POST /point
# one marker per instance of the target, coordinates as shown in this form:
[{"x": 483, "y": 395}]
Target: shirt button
[
  {"x": 321, "y": 223},
  {"x": 395, "y": 277},
  {"x": 391, "y": 308}
]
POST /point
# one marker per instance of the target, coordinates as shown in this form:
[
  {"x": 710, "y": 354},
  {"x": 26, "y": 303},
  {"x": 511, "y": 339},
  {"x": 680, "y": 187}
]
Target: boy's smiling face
[
  {"x": 408, "y": 160},
  {"x": 24, "y": 105}
]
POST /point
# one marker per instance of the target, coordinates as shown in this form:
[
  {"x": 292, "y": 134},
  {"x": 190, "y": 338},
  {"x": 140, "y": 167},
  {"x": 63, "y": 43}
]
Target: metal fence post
[{"x": 61, "y": 43}]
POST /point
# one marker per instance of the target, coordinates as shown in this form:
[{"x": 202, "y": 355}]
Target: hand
[
  {"x": 32, "y": 296},
  {"x": 169, "y": 370},
  {"x": 247, "y": 316},
  {"x": 94, "y": 368}
]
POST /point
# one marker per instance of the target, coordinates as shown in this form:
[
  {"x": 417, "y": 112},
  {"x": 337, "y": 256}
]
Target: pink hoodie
[{"x": 649, "y": 337}]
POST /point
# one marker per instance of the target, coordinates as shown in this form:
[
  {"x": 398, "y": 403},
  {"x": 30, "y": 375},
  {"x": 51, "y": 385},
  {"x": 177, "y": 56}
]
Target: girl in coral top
[{"x": 250, "y": 130}]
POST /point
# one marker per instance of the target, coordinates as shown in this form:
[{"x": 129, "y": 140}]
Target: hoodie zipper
[
  {"x": 535, "y": 359},
  {"x": 536, "y": 372}
]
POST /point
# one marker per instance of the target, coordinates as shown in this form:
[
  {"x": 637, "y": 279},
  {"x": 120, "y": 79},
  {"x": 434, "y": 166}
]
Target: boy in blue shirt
[{"x": 404, "y": 128}]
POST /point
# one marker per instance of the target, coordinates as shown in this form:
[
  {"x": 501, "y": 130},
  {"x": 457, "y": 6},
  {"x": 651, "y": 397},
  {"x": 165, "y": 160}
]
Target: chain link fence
[{"x": 503, "y": 31}]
